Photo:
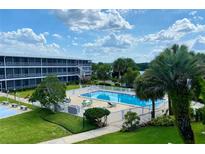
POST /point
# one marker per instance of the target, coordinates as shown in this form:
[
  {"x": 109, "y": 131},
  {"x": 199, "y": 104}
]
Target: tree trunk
[
  {"x": 170, "y": 105},
  {"x": 153, "y": 109},
  {"x": 119, "y": 75},
  {"x": 181, "y": 105}
]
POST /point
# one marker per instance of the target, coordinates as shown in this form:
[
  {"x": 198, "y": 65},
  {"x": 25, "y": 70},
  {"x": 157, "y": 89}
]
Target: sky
[{"x": 100, "y": 35}]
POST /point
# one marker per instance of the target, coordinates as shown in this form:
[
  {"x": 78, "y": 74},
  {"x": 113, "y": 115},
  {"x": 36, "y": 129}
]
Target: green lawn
[
  {"x": 28, "y": 92},
  {"x": 72, "y": 123},
  {"x": 148, "y": 135},
  {"x": 71, "y": 87},
  {"x": 30, "y": 127},
  {"x": 16, "y": 102}
]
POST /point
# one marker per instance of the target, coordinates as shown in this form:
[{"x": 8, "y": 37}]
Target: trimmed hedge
[
  {"x": 162, "y": 121},
  {"x": 97, "y": 116}
]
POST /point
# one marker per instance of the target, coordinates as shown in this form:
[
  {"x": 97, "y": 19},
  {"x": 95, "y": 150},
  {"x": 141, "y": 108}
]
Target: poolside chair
[
  {"x": 110, "y": 104},
  {"x": 84, "y": 104},
  {"x": 87, "y": 103},
  {"x": 90, "y": 102},
  {"x": 67, "y": 100},
  {"x": 24, "y": 108},
  {"x": 14, "y": 105},
  {"x": 5, "y": 103}
]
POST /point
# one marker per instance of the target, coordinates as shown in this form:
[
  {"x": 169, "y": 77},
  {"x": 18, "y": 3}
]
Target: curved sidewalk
[{"x": 85, "y": 135}]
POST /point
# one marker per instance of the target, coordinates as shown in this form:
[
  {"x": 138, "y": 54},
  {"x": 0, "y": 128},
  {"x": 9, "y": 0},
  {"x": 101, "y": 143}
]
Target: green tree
[
  {"x": 129, "y": 77},
  {"x": 49, "y": 92},
  {"x": 146, "y": 90},
  {"x": 175, "y": 71},
  {"x": 130, "y": 63},
  {"x": 104, "y": 72},
  {"x": 119, "y": 66}
]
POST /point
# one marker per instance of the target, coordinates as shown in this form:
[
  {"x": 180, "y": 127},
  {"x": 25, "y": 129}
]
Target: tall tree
[
  {"x": 104, "y": 72},
  {"x": 49, "y": 92},
  {"x": 147, "y": 90},
  {"x": 129, "y": 77},
  {"x": 119, "y": 66},
  {"x": 175, "y": 71}
]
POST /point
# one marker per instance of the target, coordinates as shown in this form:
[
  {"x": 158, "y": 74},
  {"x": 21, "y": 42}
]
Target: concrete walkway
[{"x": 86, "y": 135}]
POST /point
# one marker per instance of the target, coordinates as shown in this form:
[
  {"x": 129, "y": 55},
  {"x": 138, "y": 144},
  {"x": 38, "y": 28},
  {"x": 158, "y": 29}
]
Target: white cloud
[
  {"x": 192, "y": 13},
  {"x": 26, "y": 42},
  {"x": 198, "y": 18},
  {"x": 112, "y": 43},
  {"x": 176, "y": 31},
  {"x": 195, "y": 16},
  {"x": 79, "y": 20},
  {"x": 46, "y": 33},
  {"x": 199, "y": 44},
  {"x": 57, "y": 36}
]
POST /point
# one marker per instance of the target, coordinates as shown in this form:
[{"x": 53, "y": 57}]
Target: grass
[
  {"x": 148, "y": 135},
  {"x": 72, "y": 123},
  {"x": 28, "y": 128},
  {"x": 71, "y": 87},
  {"x": 39, "y": 125},
  {"x": 16, "y": 102},
  {"x": 28, "y": 92}
]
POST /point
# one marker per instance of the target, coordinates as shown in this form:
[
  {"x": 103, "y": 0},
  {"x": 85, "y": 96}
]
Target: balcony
[
  {"x": 22, "y": 64},
  {"x": 23, "y": 75}
]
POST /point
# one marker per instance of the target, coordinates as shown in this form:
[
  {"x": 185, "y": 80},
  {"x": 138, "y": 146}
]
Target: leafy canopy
[{"x": 49, "y": 91}]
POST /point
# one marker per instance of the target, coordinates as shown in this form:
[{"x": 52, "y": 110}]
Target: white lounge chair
[
  {"x": 14, "y": 105},
  {"x": 111, "y": 104},
  {"x": 24, "y": 108},
  {"x": 5, "y": 103}
]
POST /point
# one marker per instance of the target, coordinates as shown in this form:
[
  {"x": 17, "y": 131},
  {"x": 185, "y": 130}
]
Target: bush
[
  {"x": 104, "y": 84},
  {"x": 203, "y": 115},
  {"x": 162, "y": 121},
  {"x": 117, "y": 84},
  {"x": 97, "y": 116},
  {"x": 132, "y": 121}
]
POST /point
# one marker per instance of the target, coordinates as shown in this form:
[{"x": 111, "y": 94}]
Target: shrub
[
  {"x": 131, "y": 122},
  {"x": 97, "y": 116},
  {"x": 104, "y": 84},
  {"x": 198, "y": 115},
  {"x": 203, "y": 115},
  {"x": 117, "y": 84},
  {"x": 162, "y": 121}
]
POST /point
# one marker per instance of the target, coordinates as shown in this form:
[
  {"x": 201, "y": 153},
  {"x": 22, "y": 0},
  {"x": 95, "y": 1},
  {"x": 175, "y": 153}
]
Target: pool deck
[{"x": 76, "y": 99}]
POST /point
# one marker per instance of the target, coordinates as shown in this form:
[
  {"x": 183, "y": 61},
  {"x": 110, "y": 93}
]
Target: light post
[
  {"x": 15, "y": 94},
  {"x": 7, "y": 92}
]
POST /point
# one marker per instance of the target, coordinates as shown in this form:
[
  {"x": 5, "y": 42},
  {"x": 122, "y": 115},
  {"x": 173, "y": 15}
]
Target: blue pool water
[
  {"x": 119, "y": 98},
  {"x": 6, "y": 111}
]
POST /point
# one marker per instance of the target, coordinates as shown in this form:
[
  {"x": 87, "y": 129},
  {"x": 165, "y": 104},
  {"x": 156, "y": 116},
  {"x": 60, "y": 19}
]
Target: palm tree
[
  {"x": 119, "y": 66},
  {"x": 145, "y": 91},
  {"x": 175, "y": 71}
]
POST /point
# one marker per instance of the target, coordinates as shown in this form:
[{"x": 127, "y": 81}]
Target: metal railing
[
  {"x": 143, "y": 112},
  {"x": 111, "y": 88}
]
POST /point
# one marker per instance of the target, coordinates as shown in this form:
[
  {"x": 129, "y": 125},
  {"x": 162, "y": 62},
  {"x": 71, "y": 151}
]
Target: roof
[{"x": 39, "y": 55}]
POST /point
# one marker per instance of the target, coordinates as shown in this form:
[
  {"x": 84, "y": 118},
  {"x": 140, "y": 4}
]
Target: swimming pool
[
  {"x": 6, "y": 111},
  {"x": 119, "y": 98}
]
